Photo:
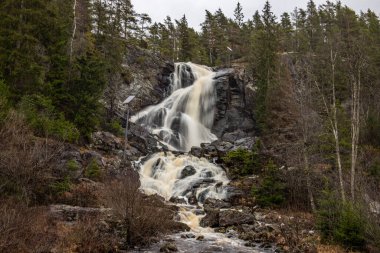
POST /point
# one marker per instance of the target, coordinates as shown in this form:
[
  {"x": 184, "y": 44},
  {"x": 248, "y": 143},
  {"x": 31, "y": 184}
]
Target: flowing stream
[{"x": 184, "y": 120}]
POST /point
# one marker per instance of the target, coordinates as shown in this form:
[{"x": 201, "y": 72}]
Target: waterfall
[
  {"x": 181, "y": 121},
  {"x": 184, "y": 119}
]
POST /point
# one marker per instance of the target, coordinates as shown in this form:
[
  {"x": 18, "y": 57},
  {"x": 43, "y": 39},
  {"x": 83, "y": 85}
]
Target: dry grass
[{"x": 332, "y": 249}]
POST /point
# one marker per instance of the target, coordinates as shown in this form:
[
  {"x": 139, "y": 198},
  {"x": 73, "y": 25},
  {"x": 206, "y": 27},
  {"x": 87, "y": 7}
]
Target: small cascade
[
  {"x": 184, "y": 119},
  {"x": 183, "y": 177}
]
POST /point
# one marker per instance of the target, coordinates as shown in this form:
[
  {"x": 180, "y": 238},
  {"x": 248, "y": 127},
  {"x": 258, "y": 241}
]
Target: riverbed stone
[
  {"x": 169, "y": 247},
  {"x": 187, "y": 172},
  {"x": 211, "y": 219},
  {"x": 211, "y": 204}
]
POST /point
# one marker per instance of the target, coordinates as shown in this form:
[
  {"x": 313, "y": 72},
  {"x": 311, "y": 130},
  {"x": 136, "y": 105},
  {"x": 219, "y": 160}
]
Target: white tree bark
[
  {"x": 355, "y": 126},
  {"x": 332, "y": 116},
  {"x": 74, "y": 30}
]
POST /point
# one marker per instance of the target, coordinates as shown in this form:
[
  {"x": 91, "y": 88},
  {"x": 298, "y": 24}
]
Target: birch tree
[{"x": 331, "y": 111}]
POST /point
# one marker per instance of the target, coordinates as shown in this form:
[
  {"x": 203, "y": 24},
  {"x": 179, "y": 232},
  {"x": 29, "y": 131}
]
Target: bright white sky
[{"x": 195, "y": 9}]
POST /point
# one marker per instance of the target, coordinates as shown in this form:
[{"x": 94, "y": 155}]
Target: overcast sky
[{"x": 195, "y": 9}]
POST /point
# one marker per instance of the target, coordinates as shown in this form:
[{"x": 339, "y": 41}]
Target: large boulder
[
  {"x": 168, "y": 247},
  {"x": 105, "y": 141},
  {"x": 211, "y": 204},
  {"x": 187, "y": 172},
  {"x": 211, "y": 219},
  {"x": 235, "y": 217}
]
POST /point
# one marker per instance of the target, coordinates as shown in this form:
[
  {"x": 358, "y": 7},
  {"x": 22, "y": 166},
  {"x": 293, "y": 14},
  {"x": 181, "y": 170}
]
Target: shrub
[
  {"x": 89, "y": 235},
  {"x": 42, "y": 117},
  {"x": 340, "y": 222},
  {"x": 93, "y": 170},
  {"x": 23, "y": 228},
  {"x": 72, "y": 165},
  {"x": 243, "y": 162},
  {"x": 114, "y": 127},
  {"x": 25, "y": 161},
  {"x": 61, "y": 186},
  {"x": 142, "y": 217},
  {"x": 350, "y": 230},
  {"x": 271, "y": 191}
]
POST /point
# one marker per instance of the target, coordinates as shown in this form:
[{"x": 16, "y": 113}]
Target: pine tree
[
  {"x": 25, "y": 34},
  {"x": 184, "y": 46},
  {"x": 238, "y": 14}
]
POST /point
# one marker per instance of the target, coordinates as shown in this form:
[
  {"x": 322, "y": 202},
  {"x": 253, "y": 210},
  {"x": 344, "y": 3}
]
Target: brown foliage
[
  {"x": 25, "y": 161},
  {"x": 24, "y": 229},
  {"x": 143, "y": 217},
  {"x": 89, "y": 235}
]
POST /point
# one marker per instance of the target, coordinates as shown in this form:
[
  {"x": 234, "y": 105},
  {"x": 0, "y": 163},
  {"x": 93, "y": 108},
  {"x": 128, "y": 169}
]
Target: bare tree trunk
[
  {"x": 308, "y": 180},
  {"x": 335, "y": 128},
  {"x": 74, "y": 29},
  {"x": 355, "y": 127},
  {"x": 332, "y": 115}
]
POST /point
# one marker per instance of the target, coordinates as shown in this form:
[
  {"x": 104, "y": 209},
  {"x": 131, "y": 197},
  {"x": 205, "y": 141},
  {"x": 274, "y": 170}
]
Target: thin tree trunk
[
  {"x": 332, "y": 116},
  {"x": 355, "y": 128},
  {"x": 308, "y": 180},
  {"x": 74, "y": 30},
  {"x": 335, "y": 129}
]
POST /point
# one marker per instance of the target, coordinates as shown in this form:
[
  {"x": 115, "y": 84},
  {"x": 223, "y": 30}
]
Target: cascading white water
[
  {"x": 184, "y": 119},
  {"x": 183, "y": 177}
]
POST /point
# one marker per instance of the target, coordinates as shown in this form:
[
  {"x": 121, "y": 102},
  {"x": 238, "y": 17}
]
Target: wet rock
[
  {"x": 200, "y": 238},
  {"x": 196, "y": 151},
  {"x": 214, "y": 248},
  {"x": 169, "y": 247},
  {"x": 178, "y": 227},
  {"x": 188, "y": 236},
  {"x": 211, "y": 219},
  {"x": 192, "y": 200},
  {"x": 222, "y": 230},
  {"x": 199, "y": 212},
  {"x": 209, "y": 149},
  {"x": 202, "y": 196},
  {"x": 235, "y": 217},
  {"x": 177, "y": 200},
  {"x": 206, "y": 174},
  {"x": 233, "y": 194},
  {"x": 211, "y": 204},
  {"x": 187, "y": 171}
]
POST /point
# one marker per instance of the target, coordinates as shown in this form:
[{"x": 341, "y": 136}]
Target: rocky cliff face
[
  {"x": 235, "y": 97},
  {"x": 146, "y": 76}
]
